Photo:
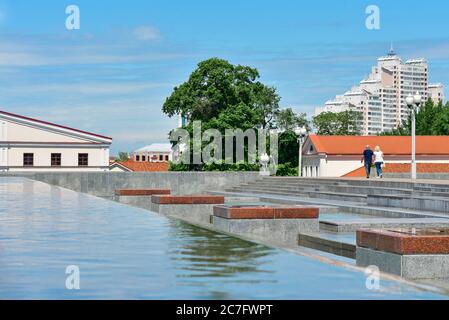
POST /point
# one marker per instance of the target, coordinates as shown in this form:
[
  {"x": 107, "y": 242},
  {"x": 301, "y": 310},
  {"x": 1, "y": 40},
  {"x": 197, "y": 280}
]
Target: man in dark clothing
[{"x": 368, "y": 160}]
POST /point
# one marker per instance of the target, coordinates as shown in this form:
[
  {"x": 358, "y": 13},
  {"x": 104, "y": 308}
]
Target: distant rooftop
[{"x": 156, "y": 147}]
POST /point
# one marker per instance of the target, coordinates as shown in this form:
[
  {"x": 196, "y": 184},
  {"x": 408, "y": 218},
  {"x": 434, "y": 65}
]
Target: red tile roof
[
  {"x": 144, "y": 166},
  {"x": 404, "y": 168},
  {"x": 390, "y": 145}
]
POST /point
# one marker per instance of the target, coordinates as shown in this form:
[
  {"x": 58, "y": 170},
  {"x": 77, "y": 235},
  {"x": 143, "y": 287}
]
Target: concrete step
[
  {"x": 283, "y": 186},
  {"x": 363, "y": 190},
  {"x": 311, "y": 193},
  {"x": 431, "y": 189},
  {"x": 366, "y": 190},
  {"x": 433, "y": 204},
  {"x": 343, "y": 206},
  {"x": 430, "y": 194},
  {"x": 355, "y": 224},
  {"x": 333, "y": 246},
  {"x": 339, "y": 196},
  {"x": 386, "y": 183},
  {"x": 268, "y": 191}
]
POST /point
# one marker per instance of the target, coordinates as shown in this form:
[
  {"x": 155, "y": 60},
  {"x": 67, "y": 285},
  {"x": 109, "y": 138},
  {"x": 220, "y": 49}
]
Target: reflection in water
[
  {"x": 210, "y": 254},
  {"x": 130, "y": 253}
]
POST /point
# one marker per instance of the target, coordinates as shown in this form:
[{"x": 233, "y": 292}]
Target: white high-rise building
[
  {"x": 381, "y": 96},
  {"x": 436, "y": 92}
]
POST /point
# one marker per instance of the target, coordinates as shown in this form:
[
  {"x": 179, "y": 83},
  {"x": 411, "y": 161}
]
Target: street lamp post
[
  {"x": 413, "y": 102},
  {"x": 301, "y": 133}
]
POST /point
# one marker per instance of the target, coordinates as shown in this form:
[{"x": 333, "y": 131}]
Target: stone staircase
[{"x": 389, "y": 193}]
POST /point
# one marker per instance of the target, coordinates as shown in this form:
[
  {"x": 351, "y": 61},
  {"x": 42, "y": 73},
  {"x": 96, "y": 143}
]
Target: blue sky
[{"x": 113, "y": 75}]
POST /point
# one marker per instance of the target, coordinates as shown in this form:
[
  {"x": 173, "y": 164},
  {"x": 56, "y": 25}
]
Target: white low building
[
  {"x": 339, "y": 156},
  {"x": 28, "y": 144},
  {"x": 156, "y": 152}
]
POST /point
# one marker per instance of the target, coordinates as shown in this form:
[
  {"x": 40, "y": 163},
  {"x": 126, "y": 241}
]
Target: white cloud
[
  {"x": 437, "y": 51},
  {"x": 87, "y": 88},
  {"x": 44, "y": 50},
  {"x": 138, "y": 136},
  {"x": 147, "y": 33}
]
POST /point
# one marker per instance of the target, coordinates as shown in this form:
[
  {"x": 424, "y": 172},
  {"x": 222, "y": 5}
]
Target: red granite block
[
  {"x": 208, "y": 199},
  {"x": 403, "y": 241},
  {"x": 297, "y": 213},
  {"x": 141, "y": 192},
  {"x": 265, "y": 212},
  {"x": 195, "y": 199},
  {"x": 248, "y": 213}
]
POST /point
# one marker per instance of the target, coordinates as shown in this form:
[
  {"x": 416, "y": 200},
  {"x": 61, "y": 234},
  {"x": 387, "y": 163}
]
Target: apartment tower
[{"x": 381, "y": 96}]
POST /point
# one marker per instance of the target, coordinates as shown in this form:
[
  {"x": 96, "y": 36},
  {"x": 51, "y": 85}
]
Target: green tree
[
  {"x": 338, "y": 123},
  {"x": 288, "y": 148},
  {"x": 223, "y": 96},
  {"x": 431, "y": 119},
  {"x": 440, "y": 125},
  {"x": 123, "y": 156},
  {"x": 217, "y": 86},
  {"x": 287, "y": 119},
  {"x": 266, "y": 105},
  {"x": 425, "y": 118}
]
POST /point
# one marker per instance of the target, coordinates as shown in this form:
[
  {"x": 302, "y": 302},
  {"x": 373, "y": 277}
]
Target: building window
[
  {"x": 144, "y": 158},
  {"x": 166, "y": 158},
  {"x": 28, "y": 159},
  {"x": 83, "y": 159},
  {"x": 55, "y": 159},
  {"x": 137, "y": 158},
  {"x": 161, "y": 157}
]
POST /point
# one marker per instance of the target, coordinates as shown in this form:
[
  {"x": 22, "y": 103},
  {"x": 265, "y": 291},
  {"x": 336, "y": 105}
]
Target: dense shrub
[{"x": 286, "y": 169}]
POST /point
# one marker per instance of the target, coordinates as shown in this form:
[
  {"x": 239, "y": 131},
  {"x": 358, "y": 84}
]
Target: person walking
[
  {"x": 367, "y": 159},
  {"x": 378, "y": 161}
]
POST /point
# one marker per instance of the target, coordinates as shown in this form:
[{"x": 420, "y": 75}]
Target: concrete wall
[{"x": 104, "y": 184}]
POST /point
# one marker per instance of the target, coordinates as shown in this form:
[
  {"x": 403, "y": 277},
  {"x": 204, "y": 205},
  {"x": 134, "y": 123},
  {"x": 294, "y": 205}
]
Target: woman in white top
[{"x": 378, "y": 161}]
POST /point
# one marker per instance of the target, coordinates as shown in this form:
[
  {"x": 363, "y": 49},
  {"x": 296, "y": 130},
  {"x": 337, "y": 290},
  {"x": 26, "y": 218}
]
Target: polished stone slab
[
  {"x": 191, "y": 199},
  {"x": 266, "y": 212},
  {"x": 352, "y": 225},
  {"x": 405, "y": 241},
  {"x": 141, "y": 192}
]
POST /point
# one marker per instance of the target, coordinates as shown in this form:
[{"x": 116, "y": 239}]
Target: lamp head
[
  {"x": 409, "y": 100},
  {"x": 301, "y": 132},
  {"x": 417, "y": 98},
  {"x": 264, "y": 158}
]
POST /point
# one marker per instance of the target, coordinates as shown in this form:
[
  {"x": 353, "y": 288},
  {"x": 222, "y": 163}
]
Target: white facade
[
  {"x": 436, "y": 92},
  {"x": 156, "y": 152},
  {"x": 33, "y": 145},
  {"x": 337, "y": 156},
  {"x": 381, "y": 96}
]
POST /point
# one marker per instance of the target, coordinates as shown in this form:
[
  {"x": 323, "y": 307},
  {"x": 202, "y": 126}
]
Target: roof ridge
[{"x": 53, "y": 124}]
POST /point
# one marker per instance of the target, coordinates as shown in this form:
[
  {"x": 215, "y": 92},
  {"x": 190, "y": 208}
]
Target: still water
[{"x": 128, "y": 253}]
